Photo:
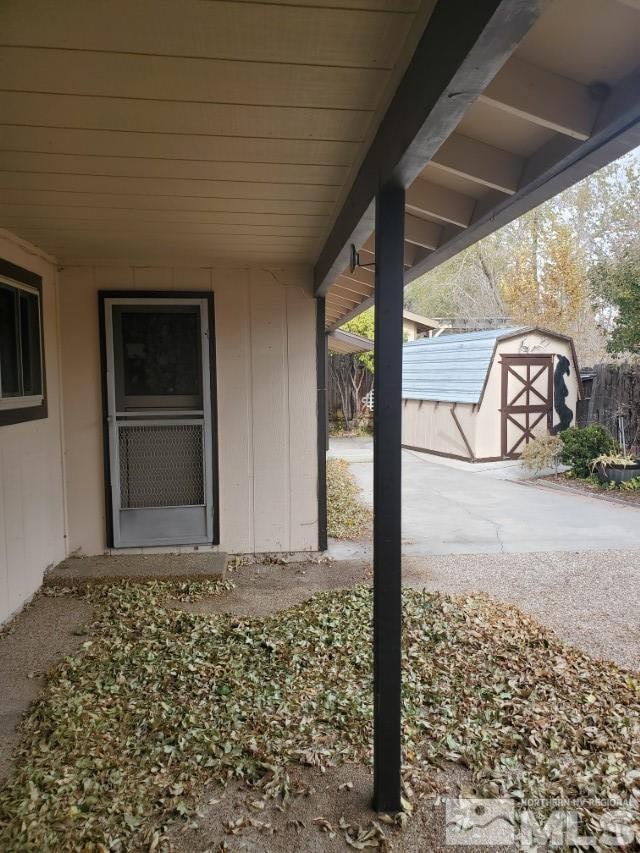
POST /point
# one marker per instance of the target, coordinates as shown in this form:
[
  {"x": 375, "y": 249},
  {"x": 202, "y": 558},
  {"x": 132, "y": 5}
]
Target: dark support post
[
  {"x": 322, "y": 417},
  {"x": 327, "y": 374},
  {"x": 387, "y": 580}
]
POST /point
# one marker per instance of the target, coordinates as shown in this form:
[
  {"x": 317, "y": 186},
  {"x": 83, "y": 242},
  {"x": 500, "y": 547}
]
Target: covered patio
[{"x": 194, "y": 194}]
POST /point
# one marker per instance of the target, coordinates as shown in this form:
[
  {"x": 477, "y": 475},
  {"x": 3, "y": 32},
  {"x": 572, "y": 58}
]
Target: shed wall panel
[{"x": 430, "y": 426}]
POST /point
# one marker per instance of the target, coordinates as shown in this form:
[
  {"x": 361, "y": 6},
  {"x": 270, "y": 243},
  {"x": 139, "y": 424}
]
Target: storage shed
[{"x": 481, "y": 396}]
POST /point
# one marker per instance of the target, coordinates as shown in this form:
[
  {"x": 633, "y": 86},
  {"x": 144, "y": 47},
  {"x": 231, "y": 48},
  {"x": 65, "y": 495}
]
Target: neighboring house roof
[
  {"x": 347, "y": 342},
  {"x": 418, "y": 319},
  {"x": 451, "y": 368}
]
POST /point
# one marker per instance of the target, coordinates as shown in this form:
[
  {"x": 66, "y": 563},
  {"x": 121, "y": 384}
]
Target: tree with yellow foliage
[{"x": 546, "y": 282}]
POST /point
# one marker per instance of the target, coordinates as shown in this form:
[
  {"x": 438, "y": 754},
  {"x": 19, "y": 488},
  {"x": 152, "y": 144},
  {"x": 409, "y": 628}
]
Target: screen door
[{"x": 159, "y": 418}]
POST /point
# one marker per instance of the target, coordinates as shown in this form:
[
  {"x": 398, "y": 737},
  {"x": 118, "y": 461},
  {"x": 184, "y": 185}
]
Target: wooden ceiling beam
[
  {"x": 461, "y": 50},
  {"x": 356, "y": 298},
  {"x": 333, "y": 320},
  {"x": 558, "y": 164},
  {"x": 367, "y": 252},
  {"x": 439, "y": 202},
  {"x": 355, "y": 286},
  {"x": 544, "y": 98},
  {"x": 367, "y": 255},
  {"x": 338, "y": 299},
  {"x": 410, "y": 250},
  {"x": 364, "y": 275},
  {"x": 481, "y": 163},
  {"x": 421, "y": 232}
]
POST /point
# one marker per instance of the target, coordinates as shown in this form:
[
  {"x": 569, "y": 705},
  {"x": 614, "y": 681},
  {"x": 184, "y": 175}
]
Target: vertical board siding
[
  {"x": 235, "y": 406},
  {"x": 4, "y": 557},
  {"x": 32, "y": 515},
  {"x": 265, "y": 353},
  {"x": 270, "y": 381},
  {"x": 302, "y": 420},
  {"x": 430, "y": 426},
  {"x": 82, "y": 397}
]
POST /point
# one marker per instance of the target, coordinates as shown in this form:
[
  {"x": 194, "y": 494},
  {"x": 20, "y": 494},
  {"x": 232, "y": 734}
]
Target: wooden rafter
[
  {"x": 338, "y": 299},
  {"x": 441, "y": 203},
  {"x": 421, "y": 232},
  {"x": 555, "y": 166},
  {"x": 354, "y": 286},
  {"x": 462, "y": 48},
  {"x": 481, "y": 163},
  {"x": 543, "y": 98}
]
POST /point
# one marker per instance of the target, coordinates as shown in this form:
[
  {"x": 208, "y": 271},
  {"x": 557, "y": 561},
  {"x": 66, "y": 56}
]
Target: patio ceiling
[
  {"x": 564, "y": 103},
  {"x": 164, "y": 132},
  {"x": 192, "y": 130}
]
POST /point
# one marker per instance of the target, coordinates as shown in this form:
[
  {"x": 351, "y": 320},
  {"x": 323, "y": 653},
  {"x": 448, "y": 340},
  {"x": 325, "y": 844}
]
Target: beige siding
[
  {"x": 32, "y": 535},
  {"x": 409, "y": 330},
  {"x": 489, "y": 424},
  {"x": 265, "y": 344},
  {"x": 430, "y": 426}
]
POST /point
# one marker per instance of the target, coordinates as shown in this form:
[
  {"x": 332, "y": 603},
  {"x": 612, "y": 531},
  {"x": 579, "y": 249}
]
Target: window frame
[{"x": 23, "y": 408}]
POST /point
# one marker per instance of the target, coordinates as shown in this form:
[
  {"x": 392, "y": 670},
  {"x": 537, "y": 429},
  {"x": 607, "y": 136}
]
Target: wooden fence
[{"x": 612, "y": 398}]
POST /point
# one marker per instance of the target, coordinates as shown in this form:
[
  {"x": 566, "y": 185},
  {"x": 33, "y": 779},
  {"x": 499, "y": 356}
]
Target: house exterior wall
[
  {"x": 32, "y": 516},
  {"x": 430, "y": 426},
  {"x": 266, "y": 380},
  {"x": 409, "y": 330}
]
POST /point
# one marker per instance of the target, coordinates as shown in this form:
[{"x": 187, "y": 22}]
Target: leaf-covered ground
[
  {"x": 159, "y": 702},
  {"x": 347, "y": 516}
]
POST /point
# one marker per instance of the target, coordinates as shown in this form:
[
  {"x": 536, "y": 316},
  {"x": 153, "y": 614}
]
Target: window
[{"x": 22, "y": 393}]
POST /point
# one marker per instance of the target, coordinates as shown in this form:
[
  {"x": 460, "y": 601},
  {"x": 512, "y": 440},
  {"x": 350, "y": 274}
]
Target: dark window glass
[
  {"x": 20, "y": 356},
  {"x": 161, "y": 353},
  {"x": 9, "y": 373},
  {"x": 30, "y": 343}
]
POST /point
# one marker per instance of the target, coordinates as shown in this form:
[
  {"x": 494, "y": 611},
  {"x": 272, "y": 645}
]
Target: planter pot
[{"x": 618, "y": 473}]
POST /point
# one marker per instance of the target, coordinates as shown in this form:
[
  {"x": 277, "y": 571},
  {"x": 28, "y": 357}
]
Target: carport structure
[{"x": 245, "y": 151}]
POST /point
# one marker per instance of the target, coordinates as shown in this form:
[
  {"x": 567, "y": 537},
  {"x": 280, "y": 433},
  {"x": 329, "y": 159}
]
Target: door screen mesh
[{"x": 161, "y": 465}]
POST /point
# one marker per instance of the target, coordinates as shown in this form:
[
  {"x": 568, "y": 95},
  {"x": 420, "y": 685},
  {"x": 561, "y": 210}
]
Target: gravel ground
[
  {"x": 293, "y": 829},
  {"x": 591, "y": 599}
]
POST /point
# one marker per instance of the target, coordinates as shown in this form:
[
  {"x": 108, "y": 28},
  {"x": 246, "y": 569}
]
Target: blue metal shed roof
[{"x": 450, "y": 368}]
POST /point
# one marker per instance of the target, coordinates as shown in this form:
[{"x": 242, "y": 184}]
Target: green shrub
[
  {"x": 632, "y": 485},
  {"x": 543, "y": 452},
  {"x": 581, "y": 446}
]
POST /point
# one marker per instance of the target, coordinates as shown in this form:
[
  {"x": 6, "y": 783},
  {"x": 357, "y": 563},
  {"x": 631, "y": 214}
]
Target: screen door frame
[{"x": 106, "y": 299}]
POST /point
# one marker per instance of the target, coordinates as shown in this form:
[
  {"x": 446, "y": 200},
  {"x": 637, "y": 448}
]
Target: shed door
[
  {"x": 527, "y": 400},
  {"x": 159, "y": 416}
]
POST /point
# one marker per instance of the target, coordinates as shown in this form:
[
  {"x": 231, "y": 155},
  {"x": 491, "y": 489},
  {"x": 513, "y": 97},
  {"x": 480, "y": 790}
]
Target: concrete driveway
[{"x": 453, "y": 507}]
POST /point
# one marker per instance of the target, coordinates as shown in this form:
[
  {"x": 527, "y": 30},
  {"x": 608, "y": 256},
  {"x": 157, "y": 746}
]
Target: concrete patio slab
[
  {"x": 47, "y": 630},
  {"x": 79, "y": 571}
]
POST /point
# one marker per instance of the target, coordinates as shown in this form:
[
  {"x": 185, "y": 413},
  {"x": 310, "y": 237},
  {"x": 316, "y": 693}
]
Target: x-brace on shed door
[{"x": 527, "y": 400}]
